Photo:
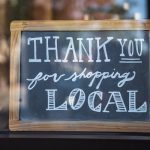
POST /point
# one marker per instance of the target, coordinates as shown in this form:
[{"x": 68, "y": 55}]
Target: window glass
[{"x": 55, "y": 10}]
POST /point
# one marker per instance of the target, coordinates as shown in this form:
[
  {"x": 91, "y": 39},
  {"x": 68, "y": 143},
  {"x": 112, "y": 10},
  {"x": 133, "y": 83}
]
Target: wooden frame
[{"x": 16, "y": 125}]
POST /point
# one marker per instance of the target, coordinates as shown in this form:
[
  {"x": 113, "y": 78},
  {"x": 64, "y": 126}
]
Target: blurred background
[{"x": 56, "y": 10}]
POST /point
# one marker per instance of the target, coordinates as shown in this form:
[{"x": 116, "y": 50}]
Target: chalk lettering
[
  {"x": 70, "y": 48},
  {"x": 102, "y": 46},
  {"x": 55, "y": 49},
  {"x": 35, "y": 48},
  {"x": 51, "y": 101}
]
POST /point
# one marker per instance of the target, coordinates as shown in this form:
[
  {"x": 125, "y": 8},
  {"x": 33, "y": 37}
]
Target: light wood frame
[{"x": 94, "y": 126}]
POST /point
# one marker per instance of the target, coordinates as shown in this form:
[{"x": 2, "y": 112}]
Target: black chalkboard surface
[
  {"x": 108, "y": 79},
  {"x": 73, "y": 76}
]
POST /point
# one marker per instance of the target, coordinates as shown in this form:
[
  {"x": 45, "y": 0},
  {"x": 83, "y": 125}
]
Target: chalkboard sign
[{"x": 80, "y": 76}]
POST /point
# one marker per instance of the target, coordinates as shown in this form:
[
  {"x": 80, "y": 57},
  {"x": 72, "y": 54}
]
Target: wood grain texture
[
  {"x": 14, "y": 76},
  {"x": 80, "y": 25},
  {"x": 17, "y": 125},
  {"x": 81, "y": 126}
]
